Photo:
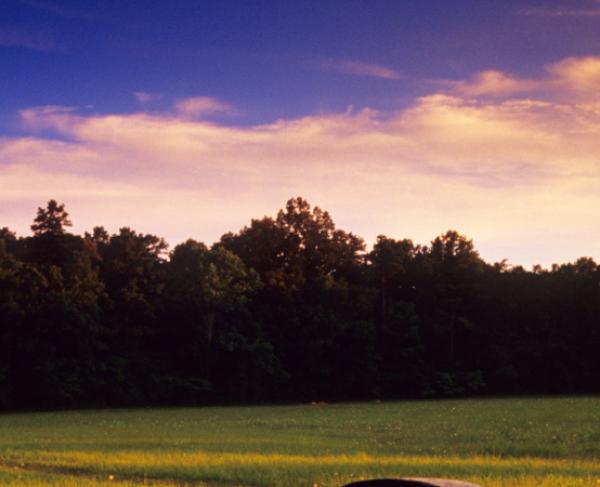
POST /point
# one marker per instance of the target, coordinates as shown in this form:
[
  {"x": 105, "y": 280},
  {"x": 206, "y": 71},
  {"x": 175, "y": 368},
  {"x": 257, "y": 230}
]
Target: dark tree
[
  {"x": 288, "y": 308},
  {"x": 51, "y": 220}
]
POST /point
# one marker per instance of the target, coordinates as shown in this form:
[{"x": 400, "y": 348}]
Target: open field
[{"x": 495, "y": 442}]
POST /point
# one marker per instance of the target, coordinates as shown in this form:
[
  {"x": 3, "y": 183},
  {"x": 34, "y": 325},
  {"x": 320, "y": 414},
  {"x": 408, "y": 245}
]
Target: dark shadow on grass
[{"x": 389, "y": 483}]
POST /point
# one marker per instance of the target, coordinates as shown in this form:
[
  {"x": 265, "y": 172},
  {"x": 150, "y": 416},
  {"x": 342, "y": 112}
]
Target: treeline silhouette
[{"x": 287, "y": 309}]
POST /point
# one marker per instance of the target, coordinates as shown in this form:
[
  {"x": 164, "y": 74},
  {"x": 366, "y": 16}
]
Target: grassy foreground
[{"x": 547, "y": 442}]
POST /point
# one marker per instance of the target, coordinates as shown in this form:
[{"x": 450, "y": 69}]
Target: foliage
[
  {"x": 288, "y": 308},
  {"x": 51, "y": 220}
]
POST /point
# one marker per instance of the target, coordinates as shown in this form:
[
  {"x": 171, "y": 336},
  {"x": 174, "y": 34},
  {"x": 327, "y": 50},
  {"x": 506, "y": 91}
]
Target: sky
[{"x": 406, "y": 118}]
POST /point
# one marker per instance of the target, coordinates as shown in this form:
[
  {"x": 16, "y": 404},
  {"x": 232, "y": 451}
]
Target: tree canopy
[
  {"x": 51, "y": 220},
  {"x": 288, "y": 308}
]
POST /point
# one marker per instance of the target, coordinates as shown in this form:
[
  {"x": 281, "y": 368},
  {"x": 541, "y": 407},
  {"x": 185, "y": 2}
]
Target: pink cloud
[
  {"x": 572, "y": 77},
  {"x": 146, "y": 98},
  {"x": 492, "y": 83},
  {"x": 590, "y": 11},
  {"x": 12, "y": 36},
  {"x": 515, "y": 171},
  {"x": 359, "y": 68},
  {"x": 201, "y": 105}
]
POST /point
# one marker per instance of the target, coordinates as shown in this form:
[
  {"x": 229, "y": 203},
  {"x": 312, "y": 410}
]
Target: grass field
[{"x": 529, "y": 442}]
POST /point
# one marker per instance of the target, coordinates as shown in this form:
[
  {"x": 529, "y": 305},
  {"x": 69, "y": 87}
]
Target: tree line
[{"x": 287, "y": 309}]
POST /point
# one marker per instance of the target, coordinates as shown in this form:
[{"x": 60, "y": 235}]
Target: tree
[
  {"x": 210, "y": 281},
  {"x": 298, "y": 250},
  {"x": 131, "y": 266},
  {"x": 51, "y": 220},
  {"x": 261, "y": 247},
  {"x": 399, "y": 347},
  {"x": 289, "y": 308},
  {"x": 312, "y": 299},
  {"x": 51, "y": 244},
  {"x": 208, "y": 291},
  {"x": 455, "y": 278},
  {"x": 10, "y": 316},
  {"x": 316, "y": 252},
  {"x": 7, "y": 234}
]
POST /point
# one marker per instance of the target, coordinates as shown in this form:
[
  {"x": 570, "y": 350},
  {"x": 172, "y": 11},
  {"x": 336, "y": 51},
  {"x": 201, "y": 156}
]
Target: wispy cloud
[
  {"x": 59, "y": 10},
  {"x": 200, "y": 106},
  {"x": 490, "y": 83},
  {"x": 54, "y": 117},
  {"x": 359, "y": 68},
  {"x": 591, "y": 10},
  {"x": 518, "y": 171},
  {"x": 576, "y": 78},
  {"x": 145, "y": 98},
  {"x": 13, "y": 36}
]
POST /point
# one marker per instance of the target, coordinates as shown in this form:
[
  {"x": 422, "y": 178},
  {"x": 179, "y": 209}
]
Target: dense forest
[{"x": 287, "y": 309}]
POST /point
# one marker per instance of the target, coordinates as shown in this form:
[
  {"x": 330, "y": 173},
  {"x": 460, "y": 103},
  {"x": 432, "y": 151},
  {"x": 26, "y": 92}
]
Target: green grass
[{"x": 529, "y": 442}]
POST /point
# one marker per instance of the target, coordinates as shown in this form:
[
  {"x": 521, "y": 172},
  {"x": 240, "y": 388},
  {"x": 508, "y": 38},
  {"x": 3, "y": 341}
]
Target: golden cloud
[
  {"x": 512, "y": 163},
  {"x": 575, "y": 77}
]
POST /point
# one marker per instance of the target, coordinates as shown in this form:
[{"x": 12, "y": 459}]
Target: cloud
[
  {"x": 54, "y": 117},
  {"x": 517, "y": 171},
  {"x": 591, "y": 11},
  {"x": 201, "y": 105},
  {"x": 145, "y": 98},
  {"x": 13, "y": 36},
  {"x": 358, "y": 68},
  {"x": 492, "y": 83},
  {"x": 59, "y": 10},
  {"x": 575, "y": 77}
]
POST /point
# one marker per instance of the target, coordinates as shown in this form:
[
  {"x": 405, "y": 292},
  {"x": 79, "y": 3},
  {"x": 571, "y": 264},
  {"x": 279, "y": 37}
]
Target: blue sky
[
  {"x": 270, "y": 59},
  {"x": 228, "y": 73}
]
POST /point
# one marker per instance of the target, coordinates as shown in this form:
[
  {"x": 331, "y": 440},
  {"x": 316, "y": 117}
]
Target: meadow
[{"x": 512, "y": 442}]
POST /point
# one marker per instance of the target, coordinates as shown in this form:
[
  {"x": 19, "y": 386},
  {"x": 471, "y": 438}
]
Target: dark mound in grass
[{"x": 410, "y": 483}]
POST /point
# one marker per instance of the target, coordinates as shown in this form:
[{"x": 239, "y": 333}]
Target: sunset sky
[{"x": 403, "y": 117}]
